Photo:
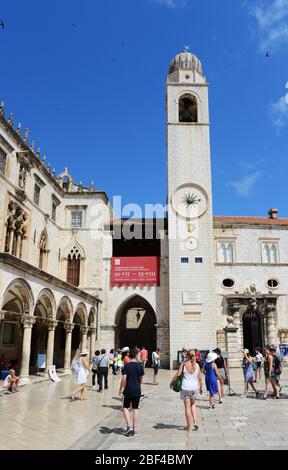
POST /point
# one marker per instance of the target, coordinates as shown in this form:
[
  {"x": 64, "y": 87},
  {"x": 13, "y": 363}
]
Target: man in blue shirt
[{"x": 130, "y": 389}]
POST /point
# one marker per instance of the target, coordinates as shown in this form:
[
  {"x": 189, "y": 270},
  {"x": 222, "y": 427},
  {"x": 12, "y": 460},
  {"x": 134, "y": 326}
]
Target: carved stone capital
[
  {"x": 51, "y": 324},
  {"x": 68, "y": 327},
  {"x": 27, "y": 321},
  {"x": 84, "y": 329}
]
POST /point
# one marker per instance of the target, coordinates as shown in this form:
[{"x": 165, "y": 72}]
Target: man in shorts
[{"x": 130, "y": 389}]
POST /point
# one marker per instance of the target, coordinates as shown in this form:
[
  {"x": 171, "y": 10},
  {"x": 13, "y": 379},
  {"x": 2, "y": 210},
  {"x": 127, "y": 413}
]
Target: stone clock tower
[{"x": 192, "y": 312}]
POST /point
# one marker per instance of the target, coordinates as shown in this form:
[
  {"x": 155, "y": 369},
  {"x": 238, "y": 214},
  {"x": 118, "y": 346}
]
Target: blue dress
[
  {"x": 210, "y": 379},
  {"x": 247, "y": 370}
]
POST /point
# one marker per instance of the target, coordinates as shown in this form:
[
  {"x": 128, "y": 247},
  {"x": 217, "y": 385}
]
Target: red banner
[{"x": 135, "y": 270}]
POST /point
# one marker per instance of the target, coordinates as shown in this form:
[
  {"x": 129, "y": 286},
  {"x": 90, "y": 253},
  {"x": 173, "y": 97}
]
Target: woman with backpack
[
  {"x": 275, "y": 371},
  {"x": 82, "y": 369},
  {"x": 191, "y": 383},
  {"x": 267, "y": 366}
]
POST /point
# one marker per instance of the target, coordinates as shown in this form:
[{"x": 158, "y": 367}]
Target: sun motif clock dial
[{"x": 190, "y": 201}]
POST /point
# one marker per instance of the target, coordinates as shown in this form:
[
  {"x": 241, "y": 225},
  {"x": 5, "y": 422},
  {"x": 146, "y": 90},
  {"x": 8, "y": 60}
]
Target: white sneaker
[{"x": 93, "y": 387}]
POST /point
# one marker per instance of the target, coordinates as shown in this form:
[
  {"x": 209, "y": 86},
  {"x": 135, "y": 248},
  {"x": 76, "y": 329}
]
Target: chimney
[{"x": 272, "y": 213}]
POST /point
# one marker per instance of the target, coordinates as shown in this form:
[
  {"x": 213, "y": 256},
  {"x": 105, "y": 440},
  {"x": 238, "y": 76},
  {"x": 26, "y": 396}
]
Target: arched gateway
[{"x": 136, "y": 324}]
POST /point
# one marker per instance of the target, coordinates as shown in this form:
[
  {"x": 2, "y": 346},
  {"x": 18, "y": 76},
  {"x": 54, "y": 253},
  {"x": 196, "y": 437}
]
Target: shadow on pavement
[
  {"x": 167, "y": 426},
  {"x": 114, "y": 407},
  {"x": 105, "y": 430}
]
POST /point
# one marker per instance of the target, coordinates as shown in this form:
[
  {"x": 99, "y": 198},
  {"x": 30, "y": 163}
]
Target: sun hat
[
  {"x": 245, "y": 351},
  {"x": 125, "y": 349},
  {"x": 211, "y": 357},
  {"x": 84, "y": 352}
]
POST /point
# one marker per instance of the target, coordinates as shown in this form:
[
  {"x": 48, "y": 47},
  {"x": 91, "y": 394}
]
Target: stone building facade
[{"x": 221, "y": 281}]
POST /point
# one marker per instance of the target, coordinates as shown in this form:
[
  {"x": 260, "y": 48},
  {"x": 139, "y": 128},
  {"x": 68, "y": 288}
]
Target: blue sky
[{"x": 88, "y": 79}]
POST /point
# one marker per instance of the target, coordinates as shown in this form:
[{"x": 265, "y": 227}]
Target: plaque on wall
[{"x": 190, "y": 298}]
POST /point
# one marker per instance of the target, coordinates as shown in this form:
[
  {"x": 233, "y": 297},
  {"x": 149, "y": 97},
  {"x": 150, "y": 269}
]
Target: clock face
[
  {"x": 191, "y": 243},
  {"x": 190, "y": 201}
]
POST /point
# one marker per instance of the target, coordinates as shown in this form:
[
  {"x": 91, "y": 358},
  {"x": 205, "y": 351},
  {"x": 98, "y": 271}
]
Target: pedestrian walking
[
  {"x": 184, "y": 354},
  {"x": 259, "y": 363},
  {"x": 248, "y": 373},
  {"x": 211, "y": 376},
  {"x": 267, "y": 366},
  {"x": 112, "y": 363},
  {"x": 82, "y": 374},
  {"x": 143, "y": 356},
  {"x": 191, "y": 385},
  {"x": 95, "y": 369},
  {"x": 221, "y": 364},
  {"x": 119, "y": 362},
  {"x": 130, "y": 390},
  {"x": 276, "y": 371},
  {"x": 103, "y": 367},
  {"x": 155, "y": 365},
  {"x": 125, "y": 355}
]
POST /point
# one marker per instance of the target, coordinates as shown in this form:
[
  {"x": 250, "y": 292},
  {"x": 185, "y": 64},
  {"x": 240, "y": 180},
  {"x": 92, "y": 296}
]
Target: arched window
[
  {"x": 188, "y": 109},
  {"x": 43, "y": 246},
  {"x": 225, "y": 252},
  {"x": 73, "y": 267},
  {"x": 269, "y": 253}
]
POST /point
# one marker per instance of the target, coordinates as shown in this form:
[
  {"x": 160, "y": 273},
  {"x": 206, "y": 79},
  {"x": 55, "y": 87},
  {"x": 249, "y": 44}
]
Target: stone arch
[
  {"x": 64, "y": 315},
  {"x": 188, "y": 108},
  {"x": 17, "y": 299},
  {"x": 81, "y": 313},
  {"x": 19, "y": 294},
  {"x": 80, "y": 326},
  {"x": 65, "y": 306},
  {"x": 46, "y": 296},
  {"x": 135, "y": 323},
  {"x": 92, "y": 317}
]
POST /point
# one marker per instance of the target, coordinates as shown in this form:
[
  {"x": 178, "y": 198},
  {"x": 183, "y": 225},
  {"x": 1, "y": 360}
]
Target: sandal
[
  {"x": 187, "y": 428},
  {"x": 263, "y": 398}
]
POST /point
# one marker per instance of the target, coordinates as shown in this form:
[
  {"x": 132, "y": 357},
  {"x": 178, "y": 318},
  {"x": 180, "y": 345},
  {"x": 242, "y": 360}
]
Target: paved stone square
[{"x": 41, "y": 416}]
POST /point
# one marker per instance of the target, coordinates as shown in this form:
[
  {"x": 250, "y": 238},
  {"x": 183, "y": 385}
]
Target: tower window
[
  {"x": 188, "y": 109},
  {"x": 272, "y": 283},
  {"x": 36, "y": 197},
  {"x": 76, "y": 219},
  {"x": 184, "y": 260},
  {"x": 2, "y": 161}
]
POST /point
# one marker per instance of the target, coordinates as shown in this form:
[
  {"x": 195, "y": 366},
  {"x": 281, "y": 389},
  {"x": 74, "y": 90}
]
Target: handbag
[{"x": 177, "y": 385}]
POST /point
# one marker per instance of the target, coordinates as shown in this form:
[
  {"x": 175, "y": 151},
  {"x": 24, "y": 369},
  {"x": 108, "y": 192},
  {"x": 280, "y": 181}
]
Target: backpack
[
  {"x": 277, "y": 365},
  {"x": 254, "y": 364},
  {"x": 75, "y": 366}
]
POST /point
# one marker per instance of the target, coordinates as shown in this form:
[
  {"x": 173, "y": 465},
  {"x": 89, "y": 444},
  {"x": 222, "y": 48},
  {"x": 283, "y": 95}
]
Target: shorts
[
  {"x": 188, "y": 394},
  {"x": 131, "y": 400},
  {"x": 222, "y": 373},
  {"x": 156, "y": 368},
  {"x": 258, "y": 364}
]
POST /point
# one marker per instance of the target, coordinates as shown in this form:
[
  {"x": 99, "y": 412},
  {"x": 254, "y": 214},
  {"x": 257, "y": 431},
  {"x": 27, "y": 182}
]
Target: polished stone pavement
[{"x": 41, "y": 416}]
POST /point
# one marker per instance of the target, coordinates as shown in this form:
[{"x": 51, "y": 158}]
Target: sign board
[
  {"x": 190, "y": 298},
  {"x": 283, "y": 347},
  {"x": 41, "y": 361},
  {"x": 52, "y": 374},
  {"x": 135, "y": 270}
]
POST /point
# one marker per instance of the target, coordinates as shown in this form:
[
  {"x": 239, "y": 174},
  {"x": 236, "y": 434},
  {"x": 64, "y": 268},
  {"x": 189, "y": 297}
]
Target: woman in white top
[
  {"x": 259, "y": 361},
  {"x": 191, "y": 384},
  {"x": 82, "y": 375}
]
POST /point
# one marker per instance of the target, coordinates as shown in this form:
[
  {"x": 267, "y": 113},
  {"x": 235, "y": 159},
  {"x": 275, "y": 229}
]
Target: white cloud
[
  {"x": 272, "y": 20},
  {"x": 244, "y": 186},
  {"x": 170, "y": 3},
  {"x": 279, "y": 111}
]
